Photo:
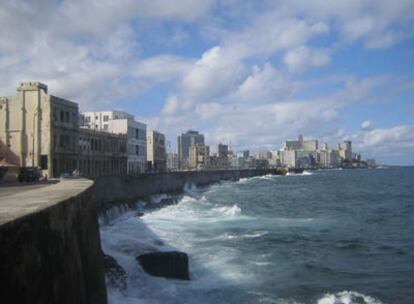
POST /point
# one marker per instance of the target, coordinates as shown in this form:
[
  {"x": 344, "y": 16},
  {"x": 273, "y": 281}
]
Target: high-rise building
[
  {"x": 222, "y": 156},
  {"x": 348, "y": 150},
  {"x": 301, "y": 144},
  {"x": 118, "y": 122},
  {"x": 156, "y": 155},
  {"x": 184, "y": 142}
]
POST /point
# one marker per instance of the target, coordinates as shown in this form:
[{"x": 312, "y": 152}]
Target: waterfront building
[
  {"x": 184, "y": 142},
  {"x": 222, "y": 161},
  {"x": 102, "y": 153},
  {"x": 119, "y": 122},
  {"x": 39, "y": 130},
  {"x": 301, "y": 144},
  {"x": 199, "y": 156},
  {"x": 327, "y": 158},
  {"x": 289, "y": 158},
  {"x": 345, "y": 153},
  {"x": 348, "y": 150},
  {"x": 172, "y": 162},
  {"x": 156, "y": 155},
  {"x": 267, "y": 155},
  {"x": 238, "y": 161}
]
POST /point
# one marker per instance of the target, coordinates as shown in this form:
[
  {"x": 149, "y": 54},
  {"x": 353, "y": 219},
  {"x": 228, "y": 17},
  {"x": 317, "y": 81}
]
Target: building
[
  {"x": 156, "y": 155},
  {"x": 172, "y": 162},
  {"x": 39, "y": 130},
  {"x": 102, "y": 153},
  {"x": 301, "y": 144},
  {"x": 222, "y": 161},
  {"x": 267, "y": 155},
  {"x": 348, "y": 150},
  {"x": 199, "y": 156},
  {"x": 327, "y": 158},
  {"x": 118, "y": 122},
  {"x": 345, "y": 153},
  {"x": 289, "y": 158},
  {"x": 184, "y": 142}
]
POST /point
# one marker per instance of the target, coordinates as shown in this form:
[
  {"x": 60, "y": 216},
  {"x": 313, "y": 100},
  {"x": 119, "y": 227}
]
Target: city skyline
[{"x": 253, "y": 75}]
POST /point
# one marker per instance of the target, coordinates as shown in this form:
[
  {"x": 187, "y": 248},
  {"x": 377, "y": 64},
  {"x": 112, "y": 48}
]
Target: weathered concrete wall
[
  {"x": 112, "y": 189},
  {"x": 50, "y": 246}
]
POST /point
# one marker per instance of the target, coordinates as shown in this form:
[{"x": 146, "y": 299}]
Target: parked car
[{"x": 28, "y": 175}]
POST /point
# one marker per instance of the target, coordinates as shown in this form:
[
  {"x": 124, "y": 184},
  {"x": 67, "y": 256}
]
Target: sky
[{"x": 246, "y": 72}]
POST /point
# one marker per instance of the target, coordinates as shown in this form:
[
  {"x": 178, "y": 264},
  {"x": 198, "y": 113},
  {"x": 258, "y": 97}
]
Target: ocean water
[{"x": 323, "y": 237}]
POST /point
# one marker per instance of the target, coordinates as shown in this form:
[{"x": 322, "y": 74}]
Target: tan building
[
  {"x": 102, "y": 153},
  {"x": 156, "y": 154},
  {"x": 199, "y": 156},
  {"x": 39, "y": 130}
]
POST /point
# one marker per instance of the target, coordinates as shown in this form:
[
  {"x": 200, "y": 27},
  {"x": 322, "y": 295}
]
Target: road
[{"x": 7, "y": 190}]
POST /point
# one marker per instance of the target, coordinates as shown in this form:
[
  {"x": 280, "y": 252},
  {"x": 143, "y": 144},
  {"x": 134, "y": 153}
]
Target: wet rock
[
  {"x": 171, "y": 264},
  {"x": 139, "y": 214},
  {"x": 115, "y": 274}
]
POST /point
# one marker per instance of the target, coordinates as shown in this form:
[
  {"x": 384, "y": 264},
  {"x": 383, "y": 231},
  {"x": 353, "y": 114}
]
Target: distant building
[
  {"x": 172, "y": 162},
  {"x": 348, "y": 150},
  {"x": 267, "y": 155},
  {"x": 289, "y": 158},
  {"x": 345, "y": 153},
  {"x": 156, "y": 155},
  {"x": 327, "y": 158},
  {"x": 222, "y": 161},
  {"x": 199, "y": 156},
  {"x": 119, "y": 122},
  {"x": 238, "y": 161},
  {"x": 184, "y": 142},
  {"x": 301, "y": 144},
  {"x": 102, "y": 153},
  {"x": 39, "y": 130}
]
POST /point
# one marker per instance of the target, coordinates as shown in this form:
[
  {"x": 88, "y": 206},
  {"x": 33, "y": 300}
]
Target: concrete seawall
[
  {"x": 50, "y": 246},
  {"x": 111, "y": 190}
]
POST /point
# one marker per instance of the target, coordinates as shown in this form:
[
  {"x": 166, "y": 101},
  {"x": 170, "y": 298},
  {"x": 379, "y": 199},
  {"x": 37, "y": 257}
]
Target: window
[
  {"x": 62, "y": 116},
  {"x": 67, "y": 116},
  {"x": 137, "y": 150},
  {"x": 43, "y": 162},
  {"x": 105, "y": 127},
  {"x": 106, "y": 118},
  {"x": 137, "y": 133}
]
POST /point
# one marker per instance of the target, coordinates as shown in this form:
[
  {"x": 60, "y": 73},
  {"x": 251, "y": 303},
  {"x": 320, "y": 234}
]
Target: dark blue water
[{"x": 323, "y": 237}]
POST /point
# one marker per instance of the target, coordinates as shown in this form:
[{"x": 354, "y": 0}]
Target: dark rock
[
  {"x": 139, "y": 214},
  {"x": 115, "y": 274},
  {"x": 171, "y": 264}
]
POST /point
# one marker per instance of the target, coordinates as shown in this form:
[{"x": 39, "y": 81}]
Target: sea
[{"x": 323, "y": 237}]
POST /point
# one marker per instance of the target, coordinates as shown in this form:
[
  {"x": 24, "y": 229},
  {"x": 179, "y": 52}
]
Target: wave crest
[{"x": 347, "y": 297}]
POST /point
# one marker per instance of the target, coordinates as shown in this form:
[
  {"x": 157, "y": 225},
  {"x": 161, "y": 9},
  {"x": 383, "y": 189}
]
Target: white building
[
  {"x": 119, "y": 122},
  {"x": 289, "y": 158}
]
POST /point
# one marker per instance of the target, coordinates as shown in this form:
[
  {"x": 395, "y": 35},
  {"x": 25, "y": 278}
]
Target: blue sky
[{"x": 252, "y": 73}]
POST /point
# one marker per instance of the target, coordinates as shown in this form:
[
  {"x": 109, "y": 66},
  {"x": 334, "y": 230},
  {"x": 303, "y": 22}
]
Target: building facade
[
  {"x": 156, "y": 154},
  {"x": 172, "y": 162},
  {"x": 199, "y": 157},
  {"x": 118, "y": 122},
  {"x": 184, "y": 142},
  {"x": 102, "y": 153},
  {"x": 39, "y": 130}
]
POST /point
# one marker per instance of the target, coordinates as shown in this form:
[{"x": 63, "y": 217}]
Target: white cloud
[
  {"x": 366, "y": 125},
  {"x": 301, "y": 58}
]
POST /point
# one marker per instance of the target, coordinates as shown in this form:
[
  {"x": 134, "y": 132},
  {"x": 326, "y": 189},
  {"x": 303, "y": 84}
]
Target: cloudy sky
[{"x": 252, "y": 73}]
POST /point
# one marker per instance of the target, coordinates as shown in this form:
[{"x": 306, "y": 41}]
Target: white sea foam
[
  {"x": 304, "y": 173},
  {"x": 228, "y": 210},
  {"x": 347, "y": 297}
]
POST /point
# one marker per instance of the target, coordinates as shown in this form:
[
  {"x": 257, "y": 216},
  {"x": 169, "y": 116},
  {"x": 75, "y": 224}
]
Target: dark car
[{"x": 28, "y": 175}]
